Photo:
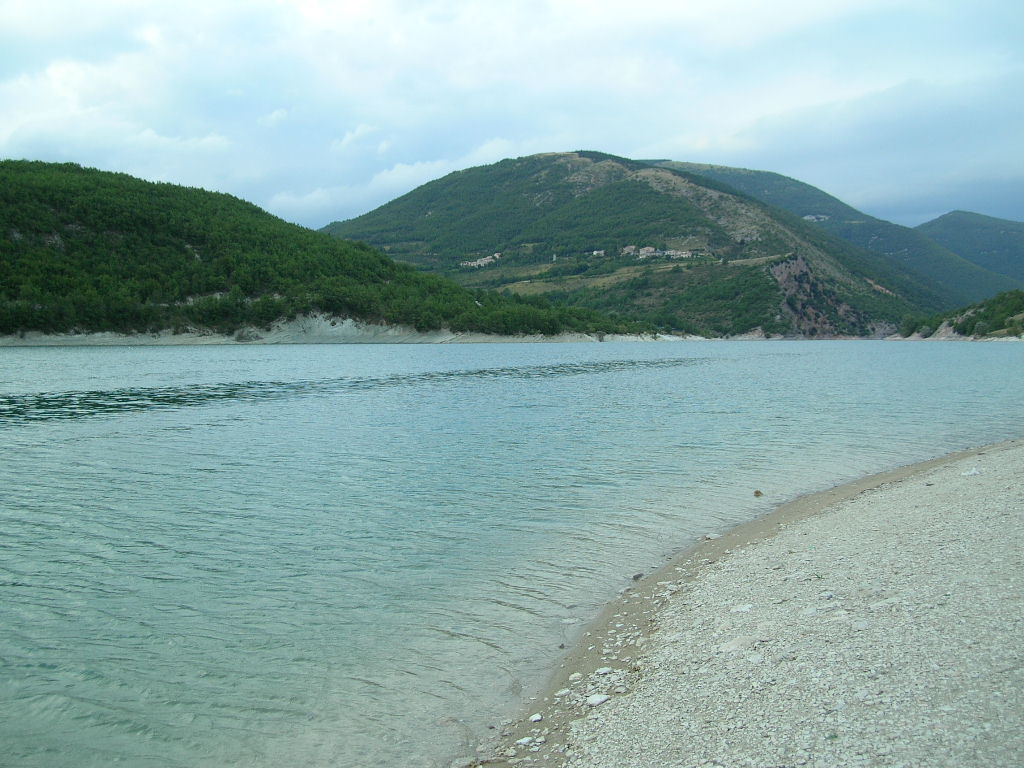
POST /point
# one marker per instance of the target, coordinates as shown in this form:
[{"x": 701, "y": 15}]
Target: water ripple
[
  {"x": 388, "y": 553},
  {"x": 47, "y": 406}
]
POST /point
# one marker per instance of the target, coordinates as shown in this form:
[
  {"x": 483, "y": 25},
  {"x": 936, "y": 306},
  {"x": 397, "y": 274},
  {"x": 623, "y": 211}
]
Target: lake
[{"x": 365, "y": 555}]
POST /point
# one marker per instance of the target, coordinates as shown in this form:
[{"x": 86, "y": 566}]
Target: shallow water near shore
[{"x": 353, "y": 556}]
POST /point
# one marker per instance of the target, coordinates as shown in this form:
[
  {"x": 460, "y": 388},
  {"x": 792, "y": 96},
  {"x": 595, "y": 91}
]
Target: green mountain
[
  {"x": 657, "y": 244},
  {"x": 995, "y": 244},
  {"x": 1000, "y": 316},
  {"x": 86, "y": 250},
  {"x": 954, "y": 276}
]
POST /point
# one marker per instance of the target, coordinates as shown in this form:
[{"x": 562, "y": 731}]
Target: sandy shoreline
[
  {"x": 874, "y": 624},
  {"x": 325, "y": 329},
  {"x": 312, "y": 329}
]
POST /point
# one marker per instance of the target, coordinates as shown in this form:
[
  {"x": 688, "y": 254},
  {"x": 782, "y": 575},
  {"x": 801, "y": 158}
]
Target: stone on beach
[
  {"x": 741, "y": 643},
  {"x": 934, "y": 678}
]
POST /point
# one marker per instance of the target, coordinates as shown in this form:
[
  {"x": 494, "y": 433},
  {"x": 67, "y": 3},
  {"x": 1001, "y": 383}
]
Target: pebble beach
[{"x": 877, "y": 624}]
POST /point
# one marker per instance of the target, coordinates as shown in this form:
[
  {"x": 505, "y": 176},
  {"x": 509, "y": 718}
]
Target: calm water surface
[{"x": 363, "y": 555}]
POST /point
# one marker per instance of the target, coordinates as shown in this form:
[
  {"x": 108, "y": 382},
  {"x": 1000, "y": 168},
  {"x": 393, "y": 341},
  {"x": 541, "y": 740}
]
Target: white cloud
[
  {"x": 367, "y": 99},
  {"x": 150, "y": 34},
  {"x": 273, "y": 118},
  {"x": 350, "y": 138},
  {"x": 330, "y": 203},
  {"x": 150, "y": 140},
  {"x": 404, "y": 176},
  {"x": 336, "y": 202}
]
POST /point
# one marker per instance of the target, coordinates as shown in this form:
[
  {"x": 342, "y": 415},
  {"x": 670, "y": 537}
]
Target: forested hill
[
  {"x": 995, "y": 244},
  {"x": 953, "y": 274},
  {"x": 656, "y": 244},
  {"x": 85, "y": 250}
]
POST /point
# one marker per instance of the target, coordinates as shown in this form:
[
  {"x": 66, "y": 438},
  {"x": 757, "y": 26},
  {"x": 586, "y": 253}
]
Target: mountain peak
[{"x": 649, "y": 241}]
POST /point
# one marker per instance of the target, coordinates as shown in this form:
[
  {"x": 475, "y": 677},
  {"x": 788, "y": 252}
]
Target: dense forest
[
  {"x": 84, "y": 250},
  {"x": 995, "y": 244}
]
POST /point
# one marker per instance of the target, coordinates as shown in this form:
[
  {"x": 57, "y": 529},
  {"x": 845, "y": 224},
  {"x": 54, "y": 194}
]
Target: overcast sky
[{"x": 319, "y": 110}]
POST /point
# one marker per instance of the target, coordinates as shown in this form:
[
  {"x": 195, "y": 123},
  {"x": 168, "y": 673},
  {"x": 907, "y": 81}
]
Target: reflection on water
[{"x": 351, "y": 556}]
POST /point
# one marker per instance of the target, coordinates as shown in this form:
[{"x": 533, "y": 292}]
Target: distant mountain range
[{"x": 705, "y": 249}]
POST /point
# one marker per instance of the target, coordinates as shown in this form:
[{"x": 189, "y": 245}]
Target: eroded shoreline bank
[
  {"x": 648, "y": 683},
  {"x": 312, "y": 329}
]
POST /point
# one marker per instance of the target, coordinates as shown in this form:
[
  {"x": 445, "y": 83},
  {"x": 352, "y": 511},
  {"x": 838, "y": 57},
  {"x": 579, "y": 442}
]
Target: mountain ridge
[
  {"x": 560, "y": 224},
  {"x": 957, "y": 278}
]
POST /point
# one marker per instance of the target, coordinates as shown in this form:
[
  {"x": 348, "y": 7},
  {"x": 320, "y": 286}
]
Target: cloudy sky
[{"x": 319, "y": 110}]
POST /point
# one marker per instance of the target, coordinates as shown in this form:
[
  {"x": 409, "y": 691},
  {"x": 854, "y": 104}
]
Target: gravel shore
[{"x": 884, "y": 631}]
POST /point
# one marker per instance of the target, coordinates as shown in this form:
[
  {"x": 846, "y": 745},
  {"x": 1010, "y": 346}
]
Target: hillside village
[
  {"x": 640, "y": 253},
  {"x": 649, "y": 252}
]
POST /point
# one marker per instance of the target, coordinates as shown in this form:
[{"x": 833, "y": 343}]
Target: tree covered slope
[
  {"x": 994, "y": 244},
  {"x": 954, "y": 276},
  {"x": 86, "y": 250},
  {"x": 658, "y": 244},
  {"x": 1000, "y": 316}
]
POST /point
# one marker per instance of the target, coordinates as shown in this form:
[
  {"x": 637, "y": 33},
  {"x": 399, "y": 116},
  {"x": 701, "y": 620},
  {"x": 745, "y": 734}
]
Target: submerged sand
[{"x": 877, "y": 624}]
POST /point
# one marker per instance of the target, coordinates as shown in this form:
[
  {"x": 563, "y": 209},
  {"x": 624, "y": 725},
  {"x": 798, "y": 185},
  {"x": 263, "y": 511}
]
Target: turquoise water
[{"x": 364, "y": 555}]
